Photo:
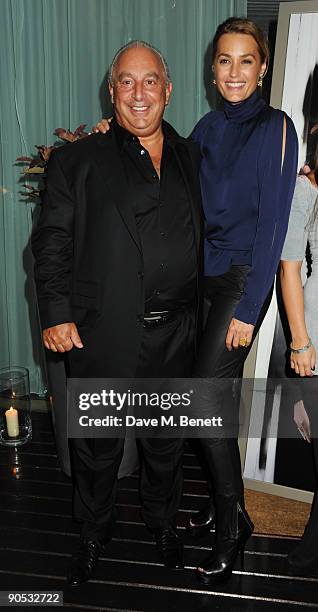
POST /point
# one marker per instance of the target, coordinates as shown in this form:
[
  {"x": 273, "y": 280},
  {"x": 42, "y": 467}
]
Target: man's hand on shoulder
[{"x": 61, "y": 338}]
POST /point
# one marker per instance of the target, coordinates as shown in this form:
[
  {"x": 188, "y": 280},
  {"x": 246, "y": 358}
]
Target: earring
[
  {"x": 260, "y": 81},
  {"x": 214, "y": 82}
]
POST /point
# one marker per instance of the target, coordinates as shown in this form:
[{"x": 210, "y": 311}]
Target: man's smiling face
[{"x": 139, "y": 91}]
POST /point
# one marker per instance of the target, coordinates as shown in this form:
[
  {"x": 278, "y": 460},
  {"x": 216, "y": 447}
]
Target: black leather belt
[{"x": 156, "y": 319}]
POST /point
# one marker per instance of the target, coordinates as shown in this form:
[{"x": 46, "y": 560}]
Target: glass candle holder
[{"x": 15, "y": 406}]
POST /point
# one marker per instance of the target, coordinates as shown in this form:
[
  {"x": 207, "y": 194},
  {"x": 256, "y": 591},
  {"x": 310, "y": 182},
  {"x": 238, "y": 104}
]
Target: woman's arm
[
  {"x": 293, "y": 296},
  {"x": 277, "y": 184}
]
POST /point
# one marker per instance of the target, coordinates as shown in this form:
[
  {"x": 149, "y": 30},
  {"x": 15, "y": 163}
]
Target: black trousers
[
  {"x": 166, "y": 351},
  {"x": 308, "y": 392},
  {"x": 222, "y": 294}
]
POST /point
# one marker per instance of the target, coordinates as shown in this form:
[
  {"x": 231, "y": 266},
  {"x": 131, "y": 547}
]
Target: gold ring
[{"x": 243, "y": 342}]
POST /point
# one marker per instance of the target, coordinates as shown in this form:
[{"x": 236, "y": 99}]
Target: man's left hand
[{"x": 239, "y": 334}]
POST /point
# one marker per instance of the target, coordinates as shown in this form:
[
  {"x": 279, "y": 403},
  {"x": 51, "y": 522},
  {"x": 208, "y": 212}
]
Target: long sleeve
[
  {"x": 52, "y": 246},
  {"x": 276, "y": 192}
]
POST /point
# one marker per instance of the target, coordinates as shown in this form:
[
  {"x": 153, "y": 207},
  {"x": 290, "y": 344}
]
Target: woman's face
[{"x": 237, "y": 66}]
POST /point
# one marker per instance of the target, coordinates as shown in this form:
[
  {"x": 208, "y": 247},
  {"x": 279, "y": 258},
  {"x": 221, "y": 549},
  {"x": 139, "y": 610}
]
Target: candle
[{"x": 12, "y": 422}]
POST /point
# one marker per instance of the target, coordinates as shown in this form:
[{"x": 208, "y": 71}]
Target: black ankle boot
[
  {"x": 233, "y": 529},
  {"x": 169, "y": 547},
  {"x": 84, "y": 561},
  {"x": 201, "y": 522}
]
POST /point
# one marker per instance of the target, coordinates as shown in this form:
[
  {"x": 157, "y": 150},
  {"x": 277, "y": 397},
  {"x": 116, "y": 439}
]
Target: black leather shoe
[
  {"x": 201, "y": 522},
  {"x": 84, "y": 561},
  {"x": 169, "y": 547}
]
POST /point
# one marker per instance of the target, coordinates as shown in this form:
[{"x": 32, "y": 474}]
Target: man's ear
[
  {"x": 168, "y": 92},
  {"x": 111, "y": 92}
]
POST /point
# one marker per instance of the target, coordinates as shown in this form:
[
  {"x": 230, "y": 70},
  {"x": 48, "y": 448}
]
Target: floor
[{"x": 37, "y": 536}]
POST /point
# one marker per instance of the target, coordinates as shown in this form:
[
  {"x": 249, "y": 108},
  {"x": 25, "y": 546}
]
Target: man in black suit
[{"x": 117, "y": 251}]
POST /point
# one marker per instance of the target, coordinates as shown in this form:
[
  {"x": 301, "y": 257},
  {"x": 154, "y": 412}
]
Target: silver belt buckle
[{"x": 156, "y": 315}]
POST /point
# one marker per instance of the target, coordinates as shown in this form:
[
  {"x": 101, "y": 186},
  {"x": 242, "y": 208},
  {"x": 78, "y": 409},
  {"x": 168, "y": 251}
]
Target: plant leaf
[
  {"x": 45, "y": 152},
  {"x": 24, "y": 158},
  {"x": 64, "y": 134},
  {"x": 34, "y": 170},
  {"x": 80, "y": 129}
]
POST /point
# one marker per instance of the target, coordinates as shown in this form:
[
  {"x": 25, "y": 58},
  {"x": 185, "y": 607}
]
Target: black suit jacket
[{"x": 88, "y": 257}]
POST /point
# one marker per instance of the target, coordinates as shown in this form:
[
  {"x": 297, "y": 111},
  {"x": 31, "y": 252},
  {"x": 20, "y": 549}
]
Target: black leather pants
[{"x": 222, "y": 294}]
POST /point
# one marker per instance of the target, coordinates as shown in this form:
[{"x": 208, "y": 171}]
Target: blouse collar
[{"x": 245, "y": 110}]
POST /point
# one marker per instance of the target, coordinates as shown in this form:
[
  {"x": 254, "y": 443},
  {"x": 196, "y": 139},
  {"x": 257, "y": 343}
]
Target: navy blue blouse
[{"x": 246, "y": 194}]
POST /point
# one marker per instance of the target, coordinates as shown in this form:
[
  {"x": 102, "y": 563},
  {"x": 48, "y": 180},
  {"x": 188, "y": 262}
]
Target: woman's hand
[
  {"x": 302, "y": 420},
  {"x": 304, "y": 363},
  {"x": 102, "y": 126},
  {"x": 239, "y": 334}
]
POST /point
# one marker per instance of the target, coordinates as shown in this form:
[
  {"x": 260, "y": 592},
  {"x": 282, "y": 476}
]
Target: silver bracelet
[{"x": 303, "y": 349}]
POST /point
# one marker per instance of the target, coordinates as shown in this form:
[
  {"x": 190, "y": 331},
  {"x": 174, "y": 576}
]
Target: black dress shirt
[{"x": 163, "y": 217}]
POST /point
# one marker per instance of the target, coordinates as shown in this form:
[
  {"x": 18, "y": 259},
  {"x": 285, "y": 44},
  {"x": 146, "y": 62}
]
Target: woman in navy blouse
[{"x": 248, "y": 173}]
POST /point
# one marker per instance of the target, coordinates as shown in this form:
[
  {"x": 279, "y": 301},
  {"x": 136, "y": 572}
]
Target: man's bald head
[{"x": 136, "y": 44}]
